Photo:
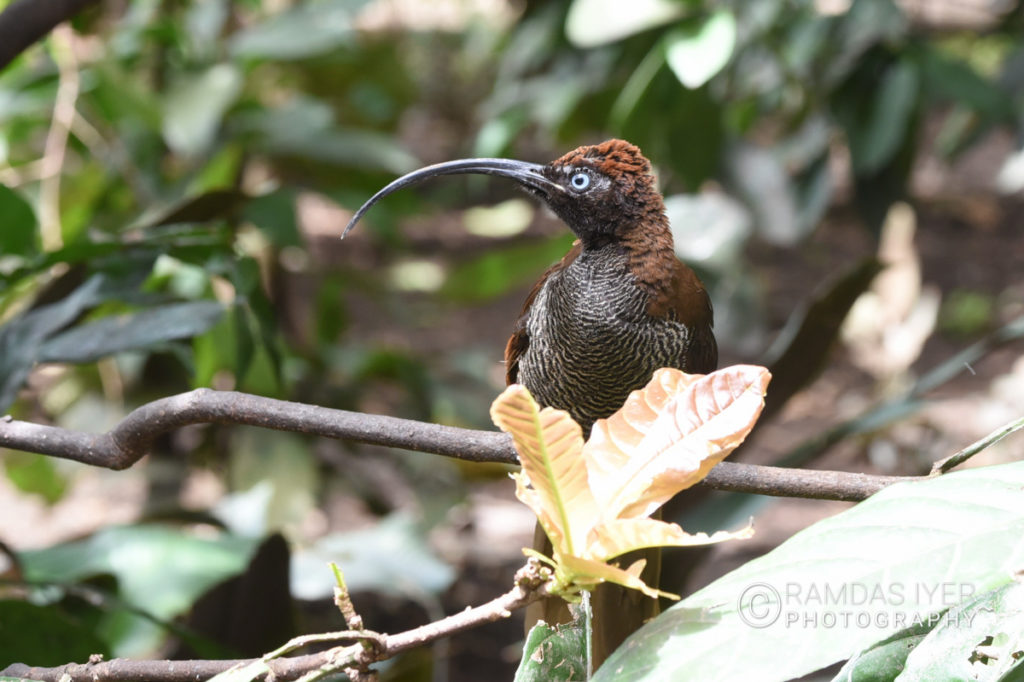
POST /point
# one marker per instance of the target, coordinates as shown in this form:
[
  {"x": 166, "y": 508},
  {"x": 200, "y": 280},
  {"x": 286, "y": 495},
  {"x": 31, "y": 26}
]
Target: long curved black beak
[{"x": 530, "y": 175}]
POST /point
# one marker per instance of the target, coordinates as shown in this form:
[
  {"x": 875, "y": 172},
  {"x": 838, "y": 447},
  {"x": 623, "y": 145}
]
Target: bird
[{"x": 598, "y": 323}]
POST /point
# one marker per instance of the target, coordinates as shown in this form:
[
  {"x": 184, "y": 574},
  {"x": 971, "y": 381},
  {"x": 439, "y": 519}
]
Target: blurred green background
[{"x": 175, "y": 177}]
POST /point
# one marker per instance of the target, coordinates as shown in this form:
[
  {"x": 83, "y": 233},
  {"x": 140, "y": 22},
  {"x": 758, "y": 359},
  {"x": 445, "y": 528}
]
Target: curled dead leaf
[
  {"x": 593, "y": 500},
  {"x": 670, "y": 434}
]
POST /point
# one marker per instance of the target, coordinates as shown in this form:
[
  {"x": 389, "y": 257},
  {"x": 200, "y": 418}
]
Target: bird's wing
[
  {"x": 692, "y": 307},
  {"x": 520, "y": 339}
]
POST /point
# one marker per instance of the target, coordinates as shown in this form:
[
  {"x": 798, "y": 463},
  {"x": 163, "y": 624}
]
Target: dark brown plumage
[
  {"x": 620, "y": 304},
  {"x": 597, "y": 325}
]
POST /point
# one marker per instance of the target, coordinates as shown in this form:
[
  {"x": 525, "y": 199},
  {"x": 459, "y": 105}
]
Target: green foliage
[
  {"x": 159, "y": 573},
  {"x": 553, "y": 653},
  {"x": 966, "y": 313},
  {"x": 181, "y": 243},
  {"x": 957, "y": 538},
  {"x": 48, "y": 635},
  {"x": 498, "y": 272},
  {"x": 36, "y": 474}
]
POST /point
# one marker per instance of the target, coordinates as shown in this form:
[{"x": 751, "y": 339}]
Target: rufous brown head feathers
[{"x": 610, "y": 191}]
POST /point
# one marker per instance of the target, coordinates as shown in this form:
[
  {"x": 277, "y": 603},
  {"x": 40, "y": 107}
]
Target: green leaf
[
  {"x": 883, "y": 661},
  {"x": 904, "y": 555},
  {"x": 20, "y": 338},
  {"x": 305, "y": 128},
  {"x": 982, "y": 639},
  {"x": 760, "y": 176},
  {"x": 17, "y": 225},
  {"x": 203, "y": 24},
  {"x": 951, "y": 80},
  {"x": 597, "y": 22},
  {"x": 710, "y": 228},
  {"x": 212, "y": 205},
  {"x": 274, "y": 214},
  {"x": 553, "y": 653},
  {"x": 32, "y": 473},
  {"x": 133, "y": 331},
  {"x": 391, "y": 557},
  {"x": 877, "y": 134},
  {"x": 45, "y": 635},
  {"x": 194, "y": 106},
  {"x": 82, "y": 194},
  {"x": 498, "y": 272},
  {"x": 304, "y": 30},
  {"x": 284, "y": 463},
  {"x": 636, "y": 86},
  {"x": 697, "y": 54},
  {"x": 159, "y": 569}
]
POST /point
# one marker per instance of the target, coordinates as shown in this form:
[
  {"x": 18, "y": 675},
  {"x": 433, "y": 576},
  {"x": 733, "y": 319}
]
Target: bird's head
[{"x": 600, "y": 191}]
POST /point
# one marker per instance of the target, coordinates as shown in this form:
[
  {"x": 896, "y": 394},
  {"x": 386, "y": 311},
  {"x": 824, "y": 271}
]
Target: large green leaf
[
  {"x": 21, "y": 337},
  {"x": 45, "y": 635},
  {"x": 980, "y": 640},
  {"x": 134, "y": 331},
  {"x": 194, "y": 106},
  {"x": 903, "y": 556},
  {"x": 596, "y": 22},
  {"x": 695, "y": 54},
  {"x": 305, "y": 128},
  {"x": 883, "y": 661},
  {"x": 878, "y": 123},
  {"x": 304, "y": 30},
  {"x": 159, "y": 569},
  {"x": 392, "y": 557}
]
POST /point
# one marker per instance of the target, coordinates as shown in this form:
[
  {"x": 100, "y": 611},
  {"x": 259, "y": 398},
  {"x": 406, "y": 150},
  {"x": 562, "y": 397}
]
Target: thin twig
[
  {"x": 343, "y": 600},
  {"x": 530, "y": 585},
  {"x": 944, "y": 465},
  {"x": 132, "y": 438}
]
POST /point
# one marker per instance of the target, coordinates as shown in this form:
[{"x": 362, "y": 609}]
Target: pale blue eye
[{"x": 580, "y": 181}]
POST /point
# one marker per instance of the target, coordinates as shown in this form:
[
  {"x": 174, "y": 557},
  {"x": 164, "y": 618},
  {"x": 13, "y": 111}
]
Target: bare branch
[
  {"x": 134, "y": 435},
  {"x": 26, "y": 21},
  {"x": 126, "y": 670},
  {"x": 804, "y": 483},
  {"x": 529, "y": 586}
]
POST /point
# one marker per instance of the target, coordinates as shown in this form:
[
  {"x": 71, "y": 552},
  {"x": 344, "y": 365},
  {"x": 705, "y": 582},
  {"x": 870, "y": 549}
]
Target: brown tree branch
[
  {"x": 132, "y": 438},
  {"x": 24, "y": 22},
  {"x": 530, "y": 585}
]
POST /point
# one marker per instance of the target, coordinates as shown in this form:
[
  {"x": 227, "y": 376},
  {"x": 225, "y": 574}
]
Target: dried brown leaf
[
  {"x": 618, "y": 536},
  {"x": 549, "y": 444},
  {"x": 669, "y": 435}
]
